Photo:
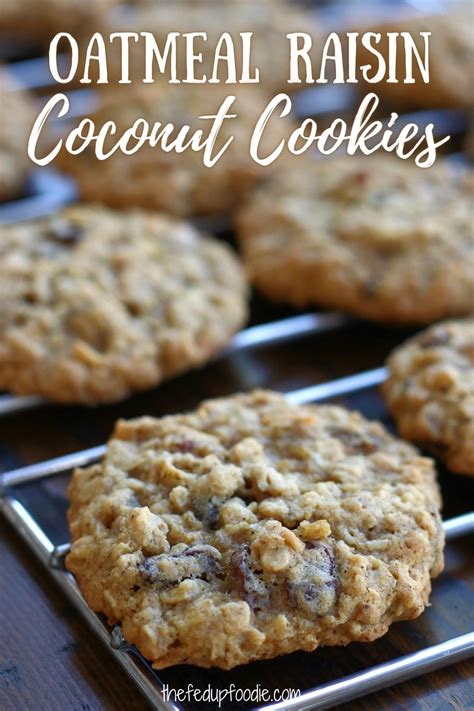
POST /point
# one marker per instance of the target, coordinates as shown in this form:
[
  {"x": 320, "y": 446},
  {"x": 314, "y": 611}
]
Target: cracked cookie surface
[
  {"x": 251, "y": 528},
  {"x": 373, "y": 236},
  {"x": 430, "y": 392},
  {"x": 97, "y": 304}
]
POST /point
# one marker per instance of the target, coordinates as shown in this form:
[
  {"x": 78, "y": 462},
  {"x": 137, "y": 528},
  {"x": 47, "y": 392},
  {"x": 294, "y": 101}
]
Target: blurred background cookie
[
  {"x": 451, "y": 59},
  {"x": 268, "y": 21},
  {"x": 96, "y": 304},
  {"x": 18, "y": 115},
  {"x": 178, "y": 183},
  {"x": 40, "y": 20},
  {"x": 375, "y": 236}
]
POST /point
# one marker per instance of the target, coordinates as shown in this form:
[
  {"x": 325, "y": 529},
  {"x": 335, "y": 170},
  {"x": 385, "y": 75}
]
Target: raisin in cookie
[
  {"x": 374, "y": 236},
  {"x": 96, "y": 304},
  {"x": 451, "y": 58},
  {"x": 178, "y": 183},
  {"x": 430, "y": 392},
  {"x": 251, "y": 528},
  {"x": 15, "y": 126}
]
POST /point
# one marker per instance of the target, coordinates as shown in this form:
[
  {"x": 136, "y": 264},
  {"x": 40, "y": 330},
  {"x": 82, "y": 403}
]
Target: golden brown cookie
[
  {"x": 178, "y": 183},
  {"x": 97, "y": 304},
  {"x": 451, "y": 58},
  {"x": 375, "y": 236},
  {"x": 430, "y": 392},
  {"x": 251, "y": 528}
]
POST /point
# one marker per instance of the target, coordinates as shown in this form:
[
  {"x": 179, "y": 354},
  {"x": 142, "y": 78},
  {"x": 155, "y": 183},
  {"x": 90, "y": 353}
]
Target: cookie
[
  {"x": 430, "y": 392},
  {"x": 40, "y": 21},
  {"x": 178, "y": 183},
  {"x": 97, "y": 304},
  {"x": 375, "y": 236},
  {"x": 451, "y": 58},
  {"x": 251, "y": 528},
  {"x": 269, "y": 22},
  {"x": 18, "y": 116}
]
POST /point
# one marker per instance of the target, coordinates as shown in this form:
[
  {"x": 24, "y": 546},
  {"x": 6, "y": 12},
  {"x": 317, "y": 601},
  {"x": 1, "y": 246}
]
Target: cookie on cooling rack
[
  {"x": 375, "y": 236},
  {"x": 96, "y": 304},
  {"x": 17, "y": 119},
  {"x": 177, "y": 183},
  {"x": 252, "y": 528},
  {"x": 451, "y": 58},
  {"x": 430, "y": 392}
]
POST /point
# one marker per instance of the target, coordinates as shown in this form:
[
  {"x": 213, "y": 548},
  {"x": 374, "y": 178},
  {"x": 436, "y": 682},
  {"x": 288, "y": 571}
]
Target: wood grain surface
[{"x": 48, "y": 657}]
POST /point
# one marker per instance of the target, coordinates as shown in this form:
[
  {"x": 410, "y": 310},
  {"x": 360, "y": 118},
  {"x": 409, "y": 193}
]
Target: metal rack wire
[
  {"x": 148, "y": 682},
  {"x": 47, "y": 191}
]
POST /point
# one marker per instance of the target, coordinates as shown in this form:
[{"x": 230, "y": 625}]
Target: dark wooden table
[{"x": 48, "y": 658}]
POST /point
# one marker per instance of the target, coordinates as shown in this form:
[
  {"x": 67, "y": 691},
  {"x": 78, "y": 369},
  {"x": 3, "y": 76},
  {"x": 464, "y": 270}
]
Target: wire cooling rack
[
  {"x": 46, "y": 191},
  {"x": 148, "y": 682}
]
